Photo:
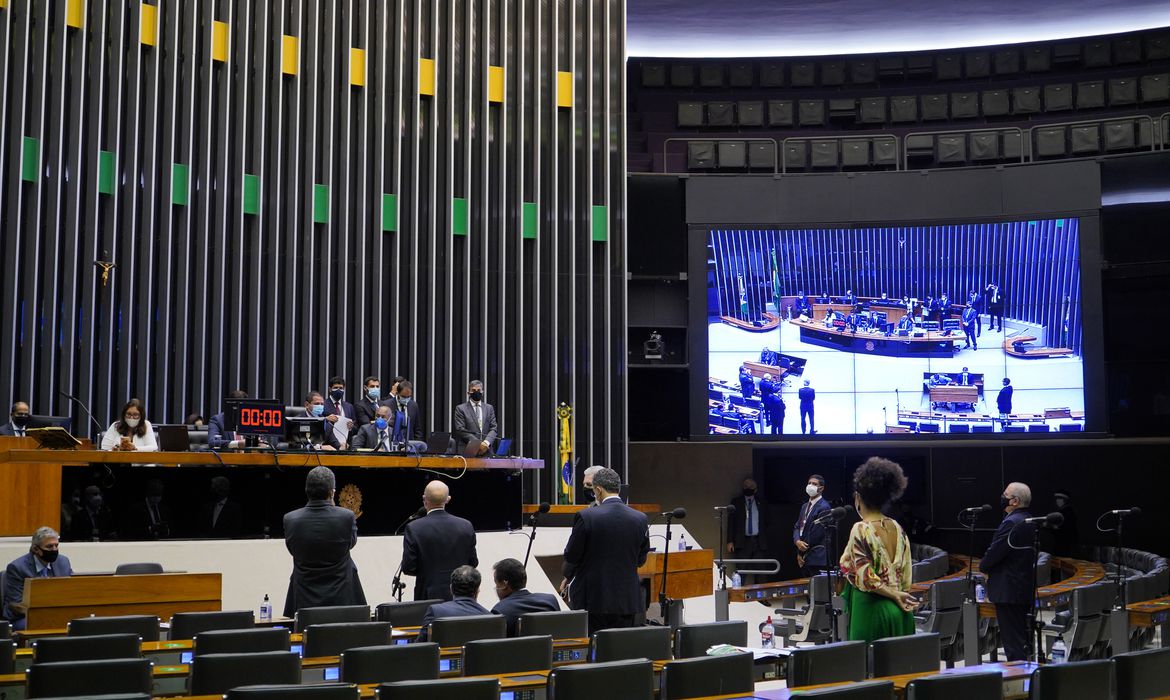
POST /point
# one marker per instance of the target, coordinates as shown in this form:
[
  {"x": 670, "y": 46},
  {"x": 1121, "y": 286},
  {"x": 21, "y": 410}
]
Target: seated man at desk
[
  {"x": 850, "y": 298},
  {"x": 515, "y": 599},
  {"x": 906, "y": 323},
  {"x": 42, "y": 561},
  {"x": 801, "y": 307},
  {"x": 769, "y": 357},
  {"x": 465, "y": 582},
  {"x": 856, "y": 319}
]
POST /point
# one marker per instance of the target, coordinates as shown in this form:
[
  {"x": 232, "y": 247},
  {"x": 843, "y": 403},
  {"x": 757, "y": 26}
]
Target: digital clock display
[{"x": 254, "y": 416}]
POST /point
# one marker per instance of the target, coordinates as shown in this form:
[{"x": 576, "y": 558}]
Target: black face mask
[
  {"x": 1004, "y": 502},
  {"x": 476, "y": 396},
  {"x": 337, "y": 394},
  {"x": 20, "y": 421},
  {"x": 749, "y": 492},
  {"x": 48, "y": 555}
]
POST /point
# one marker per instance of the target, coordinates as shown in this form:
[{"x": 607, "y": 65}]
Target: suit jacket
[
  {"x": 319, "y": 537},
  {"x": 969, "y": 318},
  {"x": 229, "y": 523},
  {"x": 606, "y": 546},
  {"x": 87, "y": 525},
  {"x": 1003, "y": 400},
  {"x": 1009, "y": 571},
  {"x": 218, "y": 436},
  {"x": 807, "y": 395},
  {"x": 524, "y": 601},
  {"x": 433, "y": 547},
  {"x": 812, "y": 534},
  {"x": 736, "y": 523},
  {"x": 412, "y": 412},
  {"x": 331, "y": 408},
  {"x": 364, "y": 411},
  {"x": 140, "y": 523},
  {"x": 20, "y": 569},
  {"x": 367, "y": 436},
  {"x": 994, "y": 299},
  {"x": 976, "y": 300},
  {"x": 10, "y": 429},
  {"x": 465, "y": 429},
  {"x": 459, "y": 607}
]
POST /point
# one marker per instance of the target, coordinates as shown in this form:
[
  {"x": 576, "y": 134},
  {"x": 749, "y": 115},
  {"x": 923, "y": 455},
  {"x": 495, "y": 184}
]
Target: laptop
[
  {"x": 173, "y": 438},
  {"x": 438, "y": 443},
  {"x": 503, "y": 448}
]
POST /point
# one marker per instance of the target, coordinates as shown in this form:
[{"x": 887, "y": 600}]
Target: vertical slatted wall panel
[{"x": 288, "y": 193}]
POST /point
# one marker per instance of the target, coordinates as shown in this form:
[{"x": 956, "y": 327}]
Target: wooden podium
[
  {"x": 691, "y": 573},
  {"x": 53, "y": 602}
]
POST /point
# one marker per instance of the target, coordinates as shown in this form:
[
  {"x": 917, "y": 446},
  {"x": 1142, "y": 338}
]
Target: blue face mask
[
  {"x": 403, "y": 400},
  {"x": 374, "y": 392},
  {"x": 317, "y": 410},
  {"x": 380, "y": 423}
]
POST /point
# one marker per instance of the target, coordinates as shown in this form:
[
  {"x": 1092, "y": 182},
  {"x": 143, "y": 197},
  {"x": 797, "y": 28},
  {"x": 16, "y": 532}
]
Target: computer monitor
[
  {"x": 950, "y": 324},
  {"x": 880, "y": 318},
  {"x": 264, "y": 417},
  {"x": 303, "y": 430},
  {"x": 504, "y": 448},
  {"x": 930, "y": 325}
]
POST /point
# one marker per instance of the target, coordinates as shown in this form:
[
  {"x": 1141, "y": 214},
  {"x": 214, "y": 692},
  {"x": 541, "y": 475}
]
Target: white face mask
[
  {"x": 811, "y": 490},
  {"x": 132, "y": 422}
]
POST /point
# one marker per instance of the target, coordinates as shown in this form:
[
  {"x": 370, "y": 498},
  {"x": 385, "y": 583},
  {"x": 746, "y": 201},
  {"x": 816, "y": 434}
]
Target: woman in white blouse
[{"x": 132, "y": 432}]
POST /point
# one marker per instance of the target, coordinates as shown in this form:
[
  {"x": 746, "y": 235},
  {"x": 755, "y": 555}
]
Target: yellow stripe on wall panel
[
  {"x": 3, "y": 4},
  {"x": 357, "y": 67},
  {"x": 219, "y": 41},
  {"x": 75, "y": 13},
  {"x": 564, "y": 89},
  {"x": 495, "y": 84},
  {"x": 426, "y": 76},
  {"x": 149, "y": 31},
  {"x": 290, "y": 54}
]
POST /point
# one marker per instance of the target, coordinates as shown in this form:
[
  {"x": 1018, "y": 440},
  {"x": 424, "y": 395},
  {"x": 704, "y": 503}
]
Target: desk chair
[
  {"x": 615, "y": 680},
  {"x": 1142, "y": 674},
  {"x": 1080, "y": 680},
  {"x": 145, "y": 626},
  {"x": 894, "y": 656},
  {"x": 1038, "y": 428},
  {"x": 457, "y": 631},
  {"x": 827, "y": 663},
  {"x": 812, "y": 623},
  {"x": 561, "y": 624},
  {"x": 707, "y": 675},
  {"x": 7, "y": 657},
  {"x": 91, "y": 648},
  {"x": 391, "y": 663},
  {"x": 959, "y": 686},
  {"x": 408, "y": 614},
  {"x": 213, "y": 674},
  {"x": 334, "y": 638},
  {"x": 1080, "y": 626},
  {"x": 145, "y": 567},
  {"x": 447, "y": 689},
  {"x": 631, "y": 643},
  {"x": 694, "y": 640},
  {"x": 869, "y": 690},
  {"x": 5, "y": 628},
  {"x": 983, "y": 428},
  {"x": 487, "y": 657},
  {"x": 186, "y": 625},
  {"x": 1013, "y": 428},
  {"x": 73, "y": 678},
  {"x": 323, "y": 691},
  {"x": 241, "y": 641},
  {"x": 945, "y": 616},
  {"x": 328, "y": 614}
]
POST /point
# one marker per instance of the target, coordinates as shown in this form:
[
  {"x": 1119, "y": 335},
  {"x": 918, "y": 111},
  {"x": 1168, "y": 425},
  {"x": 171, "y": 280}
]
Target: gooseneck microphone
[
  {"x": 543, "y": 508},
  {"x": 1127, "y": 511},
  {"x": 975, "y": 510},
  {"x": 677, "y": 513},
  {"x": 834, "y": 514},
  {"x": 1053, "y": 519},
  {"x": 86, "y": 410}
]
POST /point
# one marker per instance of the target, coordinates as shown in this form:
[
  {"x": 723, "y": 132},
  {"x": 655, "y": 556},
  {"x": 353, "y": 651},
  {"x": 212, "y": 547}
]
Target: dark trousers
[
  {"x": 777, "y": 420},
  {"x": 971, "y": 337},
  {"x": 1013, "y": 630},
  {"x": 978, "y": 324},
  {"x": 810, "y": 570},
  {"x": 607, "y": 621},
  {"x": 994, "y": 314},
  {"x": 807, "y": 413}
]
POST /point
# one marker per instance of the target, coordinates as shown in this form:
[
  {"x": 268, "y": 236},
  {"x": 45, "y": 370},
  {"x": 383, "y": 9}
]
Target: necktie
[
  {"x": 337, "y": 406},
  {"x": 385, "y": 440},
  {"x": 45, "y": 573},
  {"x": 478, "y": 418},
  {"x": 750, "y": 512}
]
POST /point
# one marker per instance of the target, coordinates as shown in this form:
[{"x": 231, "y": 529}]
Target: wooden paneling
[
  {"x": 31, "y": 491},
  {"x": 53, "y": 602}
]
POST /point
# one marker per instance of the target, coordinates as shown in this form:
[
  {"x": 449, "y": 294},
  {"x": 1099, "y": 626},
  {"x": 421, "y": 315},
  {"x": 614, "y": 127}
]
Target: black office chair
[
  {"x": 406, "y": 614},
  {"x": 186, "y": 625},
  {"x": 561, "y": 624},
  {"x": 631, "y": 643},
  {"x": 334, "y": 638},
  {"x": 869, "y": 690},
  {"x": 323, "y": 691},
  {"x": 447, "y": 689},
  {"x": 812, "y": 623},
  {"x": 958, "y": 686},
  {"x": 143, "y": 567},
  {"x": 145, "y": 626},
  {"x": 7, "y": 657},
  {"x": 73, "y": 678},
  {"x": 894, "y": 656},
  {"x": 694, "y": 640},
  {"x": 614, "y": 680},
  {"x": 488, "y": 657},
  {"x": 212, "y": 674},
  {"x": 391, "y": 663},
  {"x": 708, "y": 675},
  {"x": 5, "y": 629},
  {"x": 827, "y": 663},
  {"x": 91, "y": 648},
  {"x": 1143, "y": 674},
  {"x": 457, "y": 631},
  {"x": 241, "y": 641},
  {"x": 1079, "y": 680},
  {"x": 329, "y": 614},
  {"x": 945, "y": 615}
]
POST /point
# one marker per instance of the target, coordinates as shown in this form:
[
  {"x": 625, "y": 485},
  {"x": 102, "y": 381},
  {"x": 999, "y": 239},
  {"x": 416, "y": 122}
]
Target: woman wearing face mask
[
  {"x": 876, "y": 560},
  {"x": 131, "y": 432}
]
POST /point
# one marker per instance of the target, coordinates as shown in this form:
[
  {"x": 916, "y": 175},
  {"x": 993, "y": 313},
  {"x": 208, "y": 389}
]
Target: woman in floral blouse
[{"x": 876, "y": 561}]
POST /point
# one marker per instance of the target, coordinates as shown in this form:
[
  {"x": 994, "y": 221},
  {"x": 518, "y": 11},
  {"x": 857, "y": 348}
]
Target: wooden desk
[
  {"x": 691, "y": 573},
  {"x": 1150, "y": 613},
  {"x": 1033, "y": 351},
  {"x": 769, "y": 322},
  {"x": 569, "y": 510},
  {"x": 759, "y": 369},
  {"x": 751, "y": 414},
  {"x": 34, "y": 488},
  {"x": 53, "y": 602},
  {"x": 954, "y": 393},
  {"x": 1078, "y": 573}
]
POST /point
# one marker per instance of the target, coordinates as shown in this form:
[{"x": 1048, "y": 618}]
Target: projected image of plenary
[{"x": 953, "y": 329}]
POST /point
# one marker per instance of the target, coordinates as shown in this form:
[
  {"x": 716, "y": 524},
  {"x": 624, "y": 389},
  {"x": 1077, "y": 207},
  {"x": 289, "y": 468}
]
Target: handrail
[
  {"x": 1154, "y": 138},
  {"x": 999, "y": 129},
  {"x": 1162, "y": 135},
  {"x": 866, "y": 136},
  {"x": 688, "y": 139}
]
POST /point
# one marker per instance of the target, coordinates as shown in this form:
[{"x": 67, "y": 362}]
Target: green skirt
[{"x": 873, "y": 616}]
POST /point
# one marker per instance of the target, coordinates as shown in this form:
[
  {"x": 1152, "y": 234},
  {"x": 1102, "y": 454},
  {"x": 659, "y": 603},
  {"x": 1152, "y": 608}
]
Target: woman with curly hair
[{"x": 876, "y": 561}]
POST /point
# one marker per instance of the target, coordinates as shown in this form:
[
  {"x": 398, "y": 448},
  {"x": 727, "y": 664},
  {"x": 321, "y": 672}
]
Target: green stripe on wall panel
[
  {"x": 320, "y": 204},
  {"x": 251, "y": 194},
  {"x": 389, "y": 212},
  {"x": 459, "y": 216},
  {"x": 107, "y": 172},
  {"x": 529, "y": 223},
  {"x": 30, "y": 162},
  {"x": 600, "y": 223},
  {"x": 180, "y": 184}
]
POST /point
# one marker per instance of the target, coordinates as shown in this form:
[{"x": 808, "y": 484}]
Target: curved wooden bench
[
  {"x": 1032, "y": 352},
  {"x": 771, "y": 323}
]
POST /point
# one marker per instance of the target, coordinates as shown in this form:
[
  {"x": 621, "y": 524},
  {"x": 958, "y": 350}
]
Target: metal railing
[
  {"x": 717, "y": 140},
  {"x": 948, "y": 132},
  {"x": 868, "y": 137}
]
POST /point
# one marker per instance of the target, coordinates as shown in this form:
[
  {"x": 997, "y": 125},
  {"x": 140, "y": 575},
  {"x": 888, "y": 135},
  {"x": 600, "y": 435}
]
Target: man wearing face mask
[
  {"x": 42, "y": 561},
  {"x": 150, "y": 518},
  {"x": 1008, "y": 566},
  {"x": 218, "y": 436},
  {"x": 747, "y": 528},
  {"x": 315, "y": 408},
  {"x": 475, "y": 426},
  {"x": 376, "y": 435},
  {"x": 807, "y": 534},
  {"x": 408, "y": 428},
  {"x": 17, "y": 420},
  {"x": 1066, "y": 541},
  {"x": 587, "y": 484},
  {"x": 93, "y": 522},
  {"x": 367, "y": 406}
]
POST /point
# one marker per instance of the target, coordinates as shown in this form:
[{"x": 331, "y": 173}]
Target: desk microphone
[
  {"x": 1127, "y": 511},
  {"x": 834, "y": 514},
  {"x": 1053, "y": 519},
  {"x": 975, "y": 510},
  {"x": 729, "y": 508},
  {"x": 677, "y": 513}
]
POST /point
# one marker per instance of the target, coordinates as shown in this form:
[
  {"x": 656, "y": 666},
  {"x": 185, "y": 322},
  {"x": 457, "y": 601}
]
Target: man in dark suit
[
  {"x": 773, "y": 404},
  {"x": 149, "y": 518},
  {"x": 221, "y": 518},
  {"x": 965, "y": 377},
  {"x": 1008, "y": 566},
  {"x": 1004, "y": 400},
  {"x": 406, "y": 423},
  {"x": 809, "y": 535},
  {"x": 747, "y": 383},
  {"x": 515, "y": 599},
  {"x": 437, "y": 544},
  {"x": 315, "y": 408},
  {"x": 17, "y": 420},
  {"x": 605, "y": 548},
  {"x": 42, "y": 561},
  {"x": 475, "y": 422},
  {"x": 975, "y": 299},
  {"x": 808, "y": 396},
  {"x": 461, "y": 600},
  {"x": 336, "y": 407},
  {"x": 319, "y": 538},
  {"x": 968, "y": 318},
  {"x": 993, "y": 296},
  {"x": 93, "y": 522},
  {"x": 218, "y": 436},
  {"x": 365, "y": 408},
  {"x": 747, "y": 528},
  {"x": 849, "y": 298},
  {"x": 375, "y": 435}
]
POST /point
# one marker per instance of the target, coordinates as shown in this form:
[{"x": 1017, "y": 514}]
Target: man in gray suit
[
  {"x": 319, "y": 537},
  {"x": 42, "y": 561},
  {"x": 475, "y": 423},
  {"x": 465, "y": 582}
]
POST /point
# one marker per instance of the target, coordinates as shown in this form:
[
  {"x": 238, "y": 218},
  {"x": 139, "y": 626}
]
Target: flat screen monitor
[
  {"x": 301, "y": 430},
  {"x": 950, "y": 324},
  {"x": 930, "y": 325}
]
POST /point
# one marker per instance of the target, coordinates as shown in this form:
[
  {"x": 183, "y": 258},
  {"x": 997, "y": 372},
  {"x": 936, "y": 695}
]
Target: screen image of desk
[{"x": 877, "y": 317}]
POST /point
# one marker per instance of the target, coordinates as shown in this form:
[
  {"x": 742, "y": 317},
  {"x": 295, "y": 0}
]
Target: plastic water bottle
[
  {"x": 1059, "y": 652},
  {"x": 682, "y": 543},
  {"x": 736, "y": 580},
  {"x": 980, "y": 593},
  {"x": 768, "y": 634},
  {"x": 266, "y": 609}
]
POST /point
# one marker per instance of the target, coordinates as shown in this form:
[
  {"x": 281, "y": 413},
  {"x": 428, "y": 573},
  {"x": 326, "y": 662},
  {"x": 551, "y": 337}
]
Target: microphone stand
[
  {"x": 397, "y": 586},
  {"x": 830, "y": 608},
  {"x": 1036, "y": 634},
  {"x": 665, "y": 603},
  {"x": 531, "y": 536},
  {"x": 722, "y": 549},
  {"x": 86, "y": 411},
  {"x": 971, "y": 558},
  {"x": 1117, "y": 559}
]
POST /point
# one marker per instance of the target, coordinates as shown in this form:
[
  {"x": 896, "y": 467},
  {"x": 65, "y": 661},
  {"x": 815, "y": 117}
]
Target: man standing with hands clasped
[
  {"x": 807, "y": 534},
  {"x": 747, "y": 527},
  {"x": 1008, "y": 565},
  {"x": 475, "y": 423}
]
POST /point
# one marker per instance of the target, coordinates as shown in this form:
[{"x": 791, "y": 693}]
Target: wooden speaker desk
[
  {"x": 32, "y": 490},
  {"x": 690, "y": 574},
  {"x": 53, "y": 602}
]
